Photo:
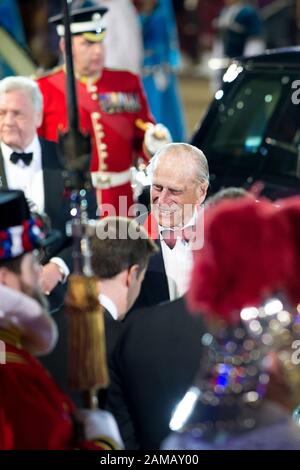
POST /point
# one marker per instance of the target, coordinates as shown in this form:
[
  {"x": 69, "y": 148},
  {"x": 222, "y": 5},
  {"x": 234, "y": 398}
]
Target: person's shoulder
[
  {"x": 49, "y": 144},
  {"x": 146, "y": 316},
  {"x": 50, "y": 153},
  {"x": 46, "y": 74}
]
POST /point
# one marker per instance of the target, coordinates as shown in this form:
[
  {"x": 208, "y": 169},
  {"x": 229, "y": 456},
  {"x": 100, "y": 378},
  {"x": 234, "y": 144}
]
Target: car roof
[{"x": 287, "y": 57}]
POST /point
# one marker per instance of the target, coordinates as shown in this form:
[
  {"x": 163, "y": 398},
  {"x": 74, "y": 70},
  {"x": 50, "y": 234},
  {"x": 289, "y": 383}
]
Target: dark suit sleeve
[
  {"x": 116, "y": 404},
  {"x": 154, "y": 288},
  {"x": 113, "y": 329},
  {"x": 116, "y": 401},
  {"x": 155, "y": 362}
]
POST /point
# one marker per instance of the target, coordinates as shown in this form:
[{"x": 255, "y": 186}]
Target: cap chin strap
[
  {"x": 87, "y": 27},
  {"x": 94, "y": 37}
]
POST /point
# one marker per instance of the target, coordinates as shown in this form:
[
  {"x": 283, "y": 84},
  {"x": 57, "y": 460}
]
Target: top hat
[
  {"x": 20, "y": 230},
  {"x": 88, "y": 21}
]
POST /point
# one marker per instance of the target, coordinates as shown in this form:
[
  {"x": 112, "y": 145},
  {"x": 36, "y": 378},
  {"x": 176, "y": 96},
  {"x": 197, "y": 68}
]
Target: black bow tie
[{"x": 25, "y": 157}]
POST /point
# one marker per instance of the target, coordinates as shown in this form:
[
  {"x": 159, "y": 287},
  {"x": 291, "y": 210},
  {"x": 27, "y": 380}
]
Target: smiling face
[
  {"x": 18, "y": 119},
  {"x": 175, "y": 192}
]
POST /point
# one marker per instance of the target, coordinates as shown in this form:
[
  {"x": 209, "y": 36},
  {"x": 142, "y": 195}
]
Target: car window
[
  {"x": 283, "y": 138},
  {"x": 257, "y": 117},
  {"x": 286, "y": 128},
  {"x": 244, "y": 115}
]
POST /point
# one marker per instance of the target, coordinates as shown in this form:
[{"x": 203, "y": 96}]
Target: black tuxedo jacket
[
  {"x": 113, "y": 329},
  {"x": 154, "y": 363},
  {"x": 56, "y": 206},
  {"x": 154, "y": 288}
]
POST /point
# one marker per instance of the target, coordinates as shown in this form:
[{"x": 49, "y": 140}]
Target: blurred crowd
[
  {"x": 188, "y": 36},
  {"x": 195, "y": 22}
]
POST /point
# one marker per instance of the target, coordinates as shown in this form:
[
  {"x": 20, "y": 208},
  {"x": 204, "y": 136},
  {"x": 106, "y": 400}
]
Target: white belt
[{"x": 109, "y": 179}]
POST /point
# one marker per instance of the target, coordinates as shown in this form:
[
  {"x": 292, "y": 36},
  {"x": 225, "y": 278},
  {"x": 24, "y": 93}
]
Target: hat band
[
  {"x": 20, "y": 239},
  {"x": 94, "y": 37},
  {"x": 79, "y": 28}
]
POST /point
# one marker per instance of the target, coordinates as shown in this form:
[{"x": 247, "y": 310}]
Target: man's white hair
[
  {"x": 186, "y": 151},
  {"x": 29, "y": 86}
]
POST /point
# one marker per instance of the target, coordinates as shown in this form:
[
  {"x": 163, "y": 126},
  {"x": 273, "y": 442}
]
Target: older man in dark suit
[{"x": 31, "y": 164}]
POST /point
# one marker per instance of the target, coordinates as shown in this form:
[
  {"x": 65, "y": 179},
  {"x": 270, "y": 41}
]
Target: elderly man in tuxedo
[
  {"x": 31, "y": 164},
  {"x": 179, "y": 183}
]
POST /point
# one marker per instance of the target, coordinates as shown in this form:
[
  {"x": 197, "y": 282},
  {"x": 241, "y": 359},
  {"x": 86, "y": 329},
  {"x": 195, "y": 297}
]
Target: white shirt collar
[
  {"x": 190, "y": 223},
  {"x": 7, "y": 151},
  {"x": 109, "y": 305},
  {"x": 29, "y": 179}
]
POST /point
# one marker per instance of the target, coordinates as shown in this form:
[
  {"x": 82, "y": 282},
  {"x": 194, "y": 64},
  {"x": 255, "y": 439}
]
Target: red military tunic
[
  {"x": 34, "y": 413},
  {"x": 109, "y": 108}
]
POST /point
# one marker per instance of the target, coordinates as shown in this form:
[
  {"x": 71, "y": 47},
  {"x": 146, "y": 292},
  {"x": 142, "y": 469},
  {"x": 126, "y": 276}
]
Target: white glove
[
  {"x": 99, "y": 423},
  {"x": 155, "y": 137}
]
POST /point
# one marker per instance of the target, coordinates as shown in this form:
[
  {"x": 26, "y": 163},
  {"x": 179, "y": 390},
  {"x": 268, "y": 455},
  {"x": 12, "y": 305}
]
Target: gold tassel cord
[{"x": 87, "y": 351}]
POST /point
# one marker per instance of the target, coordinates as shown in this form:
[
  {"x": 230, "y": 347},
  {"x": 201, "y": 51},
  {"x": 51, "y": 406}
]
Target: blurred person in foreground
[
  {"x": 245, "y": 285},
  {"x": 34, "y": 413}
]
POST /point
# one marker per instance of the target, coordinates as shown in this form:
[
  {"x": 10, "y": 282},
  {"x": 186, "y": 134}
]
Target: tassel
[{"x": 87, "y": 352}]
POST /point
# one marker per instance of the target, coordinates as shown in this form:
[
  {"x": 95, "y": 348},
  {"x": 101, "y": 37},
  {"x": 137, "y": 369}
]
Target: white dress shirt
[
  {"x": 178, "y": 263},
  {"x": 27, "y": 178},
  {"x": 109, "y": 305}
]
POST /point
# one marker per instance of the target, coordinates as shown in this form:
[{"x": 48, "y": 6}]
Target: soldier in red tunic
[
  {"x": 112, "y": 108},
  {"x": 34, "y": 413}
]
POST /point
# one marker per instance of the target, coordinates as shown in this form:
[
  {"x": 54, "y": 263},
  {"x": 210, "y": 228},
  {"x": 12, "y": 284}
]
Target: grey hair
[
  {"x": 232, "y": 192},
  {"x": 201, "y": 165},
  {"x": 25, "y": 84}
]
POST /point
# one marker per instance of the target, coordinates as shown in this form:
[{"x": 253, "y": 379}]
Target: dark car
[{"x": 252, "y": 129}]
